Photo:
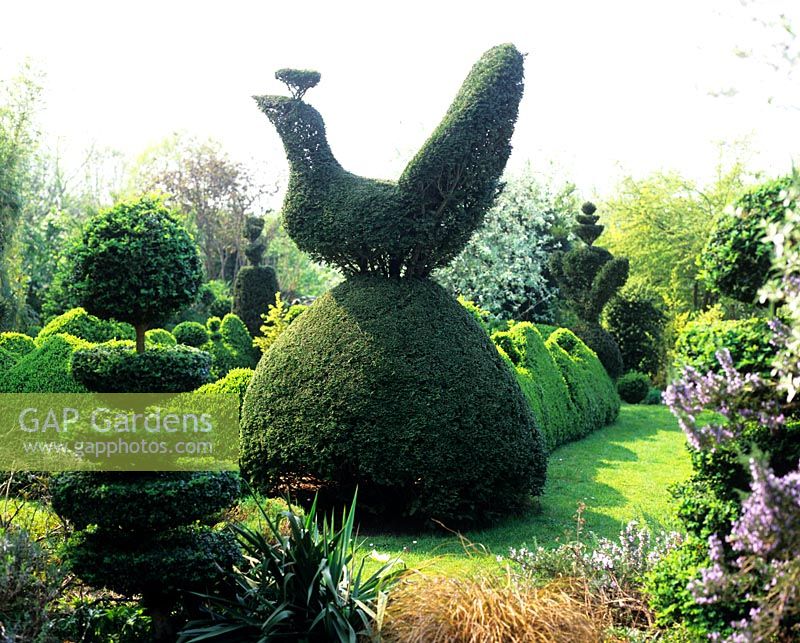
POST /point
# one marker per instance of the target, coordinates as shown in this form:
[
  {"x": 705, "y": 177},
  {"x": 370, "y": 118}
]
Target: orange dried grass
[{"x": 438, "y": 609}]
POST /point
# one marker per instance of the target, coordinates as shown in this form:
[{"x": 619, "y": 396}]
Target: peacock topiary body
[{"x": 386, "y": 383}]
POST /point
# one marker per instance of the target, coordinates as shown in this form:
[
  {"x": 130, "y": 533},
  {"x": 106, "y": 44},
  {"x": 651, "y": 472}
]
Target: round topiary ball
[
  {"x": 633, "y": 387},
  {"x": 390, "y": 385},
  {"x": 190, "y": 333}
]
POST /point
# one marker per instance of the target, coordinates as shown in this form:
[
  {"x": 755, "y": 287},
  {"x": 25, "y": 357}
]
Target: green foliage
[
  {"x": 117, "y": 368},
  {"x": 191, "y": 333},
  {"x": 504, "y": 267},
  {"x": 542, "y": 383},
  {"x": 29, "y": 583},
  {"x": 735, "y": 261},
  {"x": 47, "y": 369},
  {"x": 661, "y": 224},
  {"x": 90, "y": 619},
  {"x": 136, "y": 263},
  {"x": 633, "y": 387},
  {"x": 306, "y": 585},
  {"x": 481, "y": 315},
  {"x": 79, "y": 323},
  {"x": 160, "y": 337},
  {"x": 276, "y": 321},
  {"x": 214, "y": 299},
  {"x": 427, "y": 217},
  {"x": 635, "y": 319},
  {"x": 746, "y": 339},
  {"x": 236, "y": 381},
  {"x": 16, "y": 344},
  {"x": 253, "y": 292},
  {"x": 391, "y": 384},
  {"x": 299, "y": 81},
  {"x": 230, "y": 345},
  {"x": 590, "y": 388},
  {"x": 603, "y": 344}
]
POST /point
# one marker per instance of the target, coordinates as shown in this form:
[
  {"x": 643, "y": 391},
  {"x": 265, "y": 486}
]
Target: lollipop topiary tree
[
  {"x": 386, "y": 382},
  {"x": 255, "y": 286},
  {"x": 588, "y": 277},
  {"x": 143, "y": 533}
]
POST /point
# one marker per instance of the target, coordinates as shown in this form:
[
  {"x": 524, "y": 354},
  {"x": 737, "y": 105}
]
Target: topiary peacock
[{"x": 386, "y": 382}]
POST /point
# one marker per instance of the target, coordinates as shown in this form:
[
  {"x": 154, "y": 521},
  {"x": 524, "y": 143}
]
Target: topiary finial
[
  {"x": 299, "y": 81},
  {"x": 587, "y": 229}
]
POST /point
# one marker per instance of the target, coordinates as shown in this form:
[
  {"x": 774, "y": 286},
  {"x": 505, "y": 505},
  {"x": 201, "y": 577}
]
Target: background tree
[
  {"x": 18, "y": 141},
  {"x": 661, "y": 224},
  {"x": 588, "y": 277},
  {"x": 213, "y": 192},
  {"x": 137, "y": 264},
  {"x": 505, "y": 266}
]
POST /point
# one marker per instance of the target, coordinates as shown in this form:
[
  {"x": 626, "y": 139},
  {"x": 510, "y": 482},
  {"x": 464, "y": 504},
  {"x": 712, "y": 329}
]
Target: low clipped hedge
[
  {"x": 46, "y": 369},
  {"x": 118, "y": 368},
  {"x": 236, "y": 381},
  {"x": 16, "y": 344},
  {"x": 591, "y": 389},
  {"x": 79, "y": 323},
  {"x": 159, "y": 337},
  {"x": 748, "y": 341},
  {"x": 541, "y": 381}
]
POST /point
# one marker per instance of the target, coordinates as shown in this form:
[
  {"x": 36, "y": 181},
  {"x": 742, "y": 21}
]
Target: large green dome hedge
[{"x": 391, "y": 385}]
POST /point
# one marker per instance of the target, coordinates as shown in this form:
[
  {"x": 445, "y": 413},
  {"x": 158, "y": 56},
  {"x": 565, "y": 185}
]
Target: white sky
[{"x": 612, "y": 86}]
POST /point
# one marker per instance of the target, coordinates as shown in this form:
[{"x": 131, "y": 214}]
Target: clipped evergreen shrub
[
  {"x": 213, "y": 300},
  {"x": 344, "y": 398},
  {"x": 589, "y": 385},
  {"x": 118, "y": 368},
  {"x": 47, "y": 369},
  {"x": 16, "y": 344},
  {"x": 230, "y": 345},
  {"x": 735, "y": 261},
  {"x": 748, "y": 341},
  {"x": 79, "y": 323},
  {"x": 236, "y": 381},
  {"x": 160, "y": 337},
  {"x": 635, "y": 320},
  {"x": 633, "y": 387},
  {"x": 191, "y": 333},
  {"x": 603, "y": 344},
  {"x": 253, "y": 293}
]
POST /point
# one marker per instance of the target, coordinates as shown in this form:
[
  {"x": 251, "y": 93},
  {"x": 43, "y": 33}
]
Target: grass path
[{"x": 620, "y": 473}]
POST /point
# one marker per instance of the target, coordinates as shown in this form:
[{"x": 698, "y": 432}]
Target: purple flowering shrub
[{"x": 753, "y": 569}]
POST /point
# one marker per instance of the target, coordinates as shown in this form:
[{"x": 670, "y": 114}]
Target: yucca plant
[{"x": 306, "y": 586}]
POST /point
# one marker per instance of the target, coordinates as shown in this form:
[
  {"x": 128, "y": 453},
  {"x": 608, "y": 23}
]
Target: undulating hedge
[
  {"x": 17, "y": 344},
  {"x": 591, "y": 389},
  {"x": 79, "y": 323},
  {"x": 46, "y": 369},
  {"x": 542, "y": 383},
  {"x": 746, "y": 339},
  {"x": 118, "y": 368},
  {"x": 392, "y": 386}
]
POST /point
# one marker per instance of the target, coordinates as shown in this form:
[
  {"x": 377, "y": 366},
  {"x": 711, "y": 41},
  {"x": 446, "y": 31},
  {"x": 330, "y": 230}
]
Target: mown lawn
[{"x": 619, "y": 473}]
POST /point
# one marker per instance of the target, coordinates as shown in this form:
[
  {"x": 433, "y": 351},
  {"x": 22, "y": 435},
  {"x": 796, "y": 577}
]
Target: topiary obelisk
[{"x": 386, "y": 382}]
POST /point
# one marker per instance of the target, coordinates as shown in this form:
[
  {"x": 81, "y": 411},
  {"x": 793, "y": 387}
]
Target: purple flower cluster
[{"x": 738, "y": 398}]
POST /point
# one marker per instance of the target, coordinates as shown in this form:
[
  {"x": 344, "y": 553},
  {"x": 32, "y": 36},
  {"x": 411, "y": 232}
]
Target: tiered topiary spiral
[
  {"x": 588, "y": 277},
  {"x": 143, "y": 533},
  {"x": 386, "y": 382},
  {"x": 255, "y": 286}
]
